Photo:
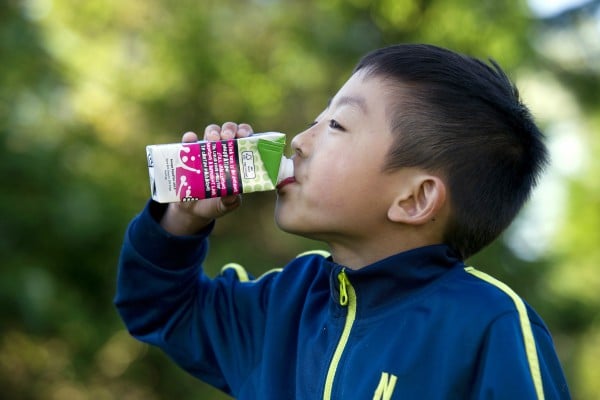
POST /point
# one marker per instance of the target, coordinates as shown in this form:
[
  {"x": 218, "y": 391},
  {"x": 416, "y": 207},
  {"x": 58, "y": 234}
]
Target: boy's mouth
[{"x": 285, "y": 182}]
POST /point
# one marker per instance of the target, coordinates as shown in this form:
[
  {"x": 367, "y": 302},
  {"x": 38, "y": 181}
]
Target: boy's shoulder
[
  {"x": 484, "y": 296},
  {"x": 302, "y": 270},
  {"x": 488, "y": 289}
]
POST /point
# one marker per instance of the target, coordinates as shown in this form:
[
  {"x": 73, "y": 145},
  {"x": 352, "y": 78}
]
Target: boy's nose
[
  {"x": 299, "y": 143},
  {"x": 303, "y": 142}
]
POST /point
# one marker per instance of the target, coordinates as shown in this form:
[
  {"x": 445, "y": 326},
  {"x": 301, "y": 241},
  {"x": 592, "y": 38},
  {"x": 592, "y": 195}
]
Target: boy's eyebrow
[{"x": 359, "y": 102}]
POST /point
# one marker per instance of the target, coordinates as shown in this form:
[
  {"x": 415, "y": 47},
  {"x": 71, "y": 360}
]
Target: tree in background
[{"x": 84, "y": 86}]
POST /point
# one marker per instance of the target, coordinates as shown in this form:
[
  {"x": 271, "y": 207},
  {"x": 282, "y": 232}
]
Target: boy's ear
[{"x": 419, "y": 201}]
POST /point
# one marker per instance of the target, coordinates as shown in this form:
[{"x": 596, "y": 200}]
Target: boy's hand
[{"x": 187, "y": 218}]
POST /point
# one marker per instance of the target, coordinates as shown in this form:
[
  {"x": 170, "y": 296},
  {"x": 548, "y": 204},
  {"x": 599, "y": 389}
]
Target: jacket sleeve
[
  {"x": 212, "y": 328},
  {"x": 507, "y": 371}
]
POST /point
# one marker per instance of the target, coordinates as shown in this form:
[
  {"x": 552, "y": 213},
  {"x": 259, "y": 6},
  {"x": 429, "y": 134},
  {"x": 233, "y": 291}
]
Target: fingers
[
  {"x": 244, "y": 130},
  {"x": 229, "y": 130},
  {"x": 189, "y": 137},
  {"x": 228, "y": 204},
  {"x": 212, "y": 132}
]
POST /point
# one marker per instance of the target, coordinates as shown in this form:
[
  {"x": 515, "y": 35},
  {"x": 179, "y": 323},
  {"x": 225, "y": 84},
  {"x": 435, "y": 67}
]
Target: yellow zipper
[{"x": 347, "y": 299}]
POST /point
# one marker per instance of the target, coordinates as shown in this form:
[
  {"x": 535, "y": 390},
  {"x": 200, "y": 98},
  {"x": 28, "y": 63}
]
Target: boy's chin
[
  {"x": 287, "y": 224},
  {"x": 290, "y": 221}
]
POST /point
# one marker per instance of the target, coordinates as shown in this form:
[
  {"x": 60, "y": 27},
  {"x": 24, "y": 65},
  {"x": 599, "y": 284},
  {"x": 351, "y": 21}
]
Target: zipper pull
[{"x": 343, "y": 279}]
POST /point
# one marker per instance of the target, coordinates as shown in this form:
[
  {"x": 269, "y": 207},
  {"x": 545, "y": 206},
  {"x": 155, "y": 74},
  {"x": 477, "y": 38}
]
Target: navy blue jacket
[{"x": 417, "y": 325}]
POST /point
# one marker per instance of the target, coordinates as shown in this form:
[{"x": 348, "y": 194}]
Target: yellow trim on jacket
[{"x": 529, "y": 341}]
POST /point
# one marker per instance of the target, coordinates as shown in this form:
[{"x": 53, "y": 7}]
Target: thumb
[{"x": 228, "y": 204}]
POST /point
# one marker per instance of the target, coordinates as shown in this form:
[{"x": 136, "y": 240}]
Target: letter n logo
[{"x": 385, "y": 389}]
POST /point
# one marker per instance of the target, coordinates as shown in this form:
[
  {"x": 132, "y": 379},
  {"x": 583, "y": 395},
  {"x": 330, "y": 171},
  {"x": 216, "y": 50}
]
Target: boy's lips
[{"x": 285, "y": 182}]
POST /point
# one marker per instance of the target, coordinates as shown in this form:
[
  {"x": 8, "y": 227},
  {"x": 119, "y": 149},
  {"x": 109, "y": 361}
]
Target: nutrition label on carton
[{"x": 207, "y": 169}]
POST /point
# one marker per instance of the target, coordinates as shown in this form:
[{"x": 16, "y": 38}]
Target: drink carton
[{"x": 205, "y": 169}]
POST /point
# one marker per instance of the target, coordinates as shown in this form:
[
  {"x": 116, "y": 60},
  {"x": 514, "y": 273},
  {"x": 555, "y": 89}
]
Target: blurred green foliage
[{"x": 84, "y": 86}]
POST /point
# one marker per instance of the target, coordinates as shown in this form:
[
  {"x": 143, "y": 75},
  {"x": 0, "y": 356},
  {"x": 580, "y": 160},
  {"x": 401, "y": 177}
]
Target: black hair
[{"x": 463, "y": 119}]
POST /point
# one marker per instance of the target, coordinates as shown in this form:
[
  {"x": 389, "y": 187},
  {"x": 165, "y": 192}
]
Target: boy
[{"x": 421, "y": 159}]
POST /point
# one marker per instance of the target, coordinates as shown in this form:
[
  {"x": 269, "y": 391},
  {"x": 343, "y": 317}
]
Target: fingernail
[{"x": 229, "y": 201}]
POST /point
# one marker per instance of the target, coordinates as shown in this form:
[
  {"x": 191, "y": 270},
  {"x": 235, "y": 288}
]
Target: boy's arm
[
  {"x": 166, "y": 300},
  {"x": 506, "y": 370}
]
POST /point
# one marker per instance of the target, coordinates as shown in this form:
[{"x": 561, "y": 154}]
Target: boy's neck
[{"x": 358, "y": 255}]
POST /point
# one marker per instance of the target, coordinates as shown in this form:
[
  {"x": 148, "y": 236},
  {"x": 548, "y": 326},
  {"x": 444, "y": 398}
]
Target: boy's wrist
[
  {"x": 162, "y": 248},
  {"x": 178, "y": 222}
]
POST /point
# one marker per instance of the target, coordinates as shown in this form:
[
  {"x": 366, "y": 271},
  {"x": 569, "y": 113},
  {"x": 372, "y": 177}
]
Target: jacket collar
[{"x": 397, "y": 278}]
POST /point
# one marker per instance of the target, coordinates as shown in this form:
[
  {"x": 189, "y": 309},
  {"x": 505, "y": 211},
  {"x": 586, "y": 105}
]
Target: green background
[{"x": 86, "y": 85}]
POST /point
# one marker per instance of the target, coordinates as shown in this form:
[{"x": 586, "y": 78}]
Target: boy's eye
[{"x": 333, "y": 124}]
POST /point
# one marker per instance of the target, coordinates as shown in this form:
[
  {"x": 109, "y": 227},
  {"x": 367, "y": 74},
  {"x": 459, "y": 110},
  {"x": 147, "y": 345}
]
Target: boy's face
[{"x": 341, "y": 193}]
